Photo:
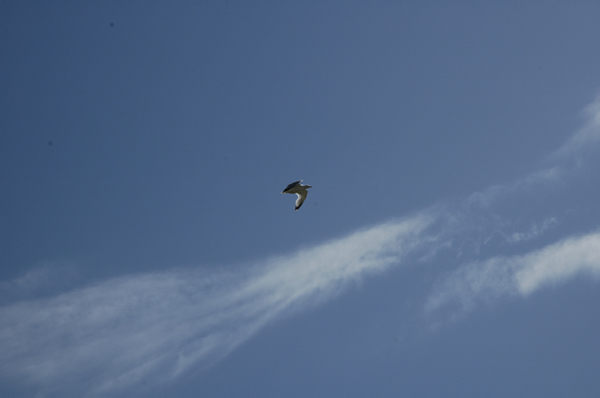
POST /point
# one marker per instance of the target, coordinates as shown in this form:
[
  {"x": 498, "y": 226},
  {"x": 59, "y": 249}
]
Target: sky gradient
[{"x": 450, "y": 245}]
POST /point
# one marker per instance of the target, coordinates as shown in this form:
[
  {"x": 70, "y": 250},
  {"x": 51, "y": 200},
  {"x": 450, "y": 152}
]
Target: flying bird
[{"x": 298, "y": 189}]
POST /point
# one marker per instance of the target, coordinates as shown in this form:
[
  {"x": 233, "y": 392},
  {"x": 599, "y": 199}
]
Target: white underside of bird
[{"x": 298, "y": 189}]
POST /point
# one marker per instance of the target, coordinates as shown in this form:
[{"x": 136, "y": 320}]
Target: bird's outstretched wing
[
  {"x": 292, "y": 185},
  {"x": 301, "y": 199}
]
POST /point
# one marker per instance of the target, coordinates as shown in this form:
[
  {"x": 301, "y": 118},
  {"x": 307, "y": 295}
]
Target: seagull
[{"x": 298, "y": 189}]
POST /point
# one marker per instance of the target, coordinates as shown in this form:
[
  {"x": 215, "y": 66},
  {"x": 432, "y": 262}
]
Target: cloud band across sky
[
  {"x": 153, "y": 327},
  {"x": 518, "y": 275}
]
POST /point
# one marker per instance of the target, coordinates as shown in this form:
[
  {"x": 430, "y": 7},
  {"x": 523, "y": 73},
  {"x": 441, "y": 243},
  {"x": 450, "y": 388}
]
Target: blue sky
[{"x": 450, "y": 245}]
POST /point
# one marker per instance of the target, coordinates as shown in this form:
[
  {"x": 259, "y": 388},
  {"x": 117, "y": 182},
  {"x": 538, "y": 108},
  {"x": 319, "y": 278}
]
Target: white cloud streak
[
  {"x": 518, "y": 275},
  {"x": 126, "y": 331},
  {"x": 557, "y": 262},
  {"x": 588, "y": 136}
]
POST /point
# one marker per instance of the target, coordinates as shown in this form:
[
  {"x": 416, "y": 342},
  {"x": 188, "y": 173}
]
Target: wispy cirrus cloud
[
  {"x": 128, "y": 330},
  {"x": 488, "y": 279},
  {"x": 587, "y": 137},
  {"x": 518, "y": 275},
  {"x": 153, "y": 327}
]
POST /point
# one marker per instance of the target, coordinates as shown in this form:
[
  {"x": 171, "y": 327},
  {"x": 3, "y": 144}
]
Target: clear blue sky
[{"x": 450, "y": 244}]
